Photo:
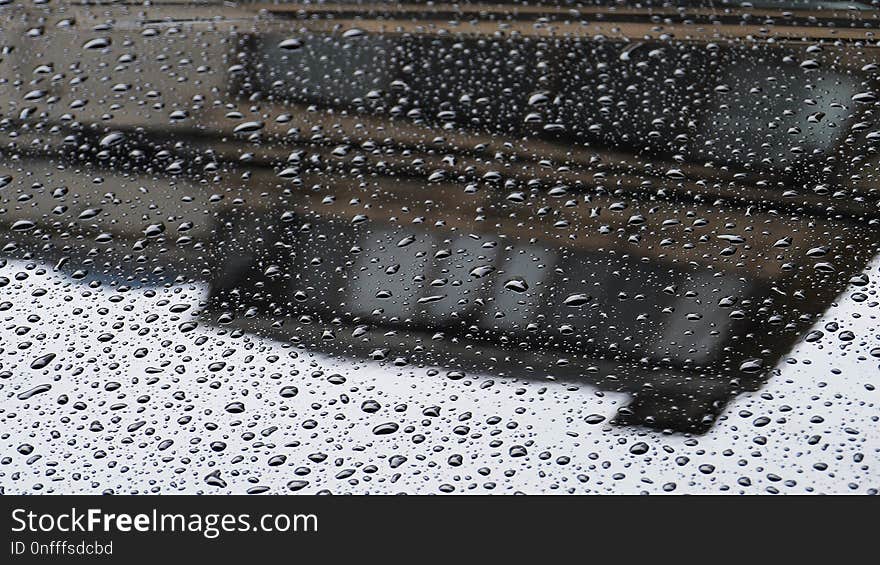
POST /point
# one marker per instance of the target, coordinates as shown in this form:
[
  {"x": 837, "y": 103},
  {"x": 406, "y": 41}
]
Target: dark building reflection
[{"x": 664, "y": 218}]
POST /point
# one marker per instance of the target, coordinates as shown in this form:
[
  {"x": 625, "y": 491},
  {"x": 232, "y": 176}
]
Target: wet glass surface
[{"x": 423, "y": 248}]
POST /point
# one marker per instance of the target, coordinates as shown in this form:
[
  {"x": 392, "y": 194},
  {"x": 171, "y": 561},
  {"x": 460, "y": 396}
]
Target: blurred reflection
[{"x": 657, "y": 217}]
